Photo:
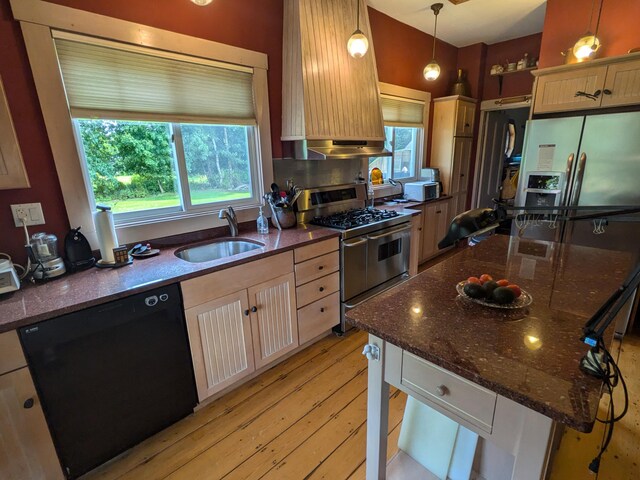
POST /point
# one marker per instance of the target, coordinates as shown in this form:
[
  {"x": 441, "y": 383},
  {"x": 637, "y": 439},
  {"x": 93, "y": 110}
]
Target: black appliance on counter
[{"x": 112, "y": 375}]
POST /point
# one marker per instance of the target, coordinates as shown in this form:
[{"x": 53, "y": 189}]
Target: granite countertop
[
  {"x": 73, "y": 292},
  {"x": 530, "y": 355}
]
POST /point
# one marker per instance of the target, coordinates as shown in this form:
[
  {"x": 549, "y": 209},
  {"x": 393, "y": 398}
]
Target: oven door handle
[
  {"x": 390, "y": 232},
  {"x": 355, "y": 244}
]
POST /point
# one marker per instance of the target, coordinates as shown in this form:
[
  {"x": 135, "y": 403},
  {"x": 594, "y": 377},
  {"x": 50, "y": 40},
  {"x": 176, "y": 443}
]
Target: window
[
  {"x": 404, "y": 143},
  {"x": 133, "y": 166},
  {"x": 160, "y": 135},
  {"x": 404, "y": 136}
]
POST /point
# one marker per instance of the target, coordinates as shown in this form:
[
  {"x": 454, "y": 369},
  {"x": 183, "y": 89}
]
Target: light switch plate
[{"x": 31, "y": 211}]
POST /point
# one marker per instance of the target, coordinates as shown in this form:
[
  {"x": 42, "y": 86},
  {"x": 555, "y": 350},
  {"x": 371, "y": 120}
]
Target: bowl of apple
[{"x": 484, "y": 290}]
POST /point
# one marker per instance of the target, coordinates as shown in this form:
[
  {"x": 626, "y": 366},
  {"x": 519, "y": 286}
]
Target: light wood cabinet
[
  {"x": 436, "y": 220},
  {"x": 12, "y": 171},
  {"x": 452, "y": 142},
  {"x": 237, "y": 325},
  {"x": 221, "y": 342},
  {"x": 623, "y": 83},
  {"x": 318, "y": 288},
  {"x": 318, "y": 317},
  {"x": 557, "y": 93},
  {"x": 274, "y": 323},
  {"x": 26, "y": 448},
  {"x": 607, "y": 82}
]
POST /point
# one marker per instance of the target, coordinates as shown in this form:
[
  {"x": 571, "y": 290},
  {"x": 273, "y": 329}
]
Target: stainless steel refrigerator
[{"x": 584, "y": 161}]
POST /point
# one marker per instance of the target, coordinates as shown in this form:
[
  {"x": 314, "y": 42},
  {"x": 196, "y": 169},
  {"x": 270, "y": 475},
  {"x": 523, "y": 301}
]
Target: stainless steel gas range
[{"x": 374, "y": 244}]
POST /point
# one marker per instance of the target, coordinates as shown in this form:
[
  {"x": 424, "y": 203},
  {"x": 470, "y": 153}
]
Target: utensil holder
[{"x": 285, "y": 216}]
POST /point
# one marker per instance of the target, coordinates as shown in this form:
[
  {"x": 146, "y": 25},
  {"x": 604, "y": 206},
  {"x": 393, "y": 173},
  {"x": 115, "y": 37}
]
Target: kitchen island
[{"x": 511, "y": 376}]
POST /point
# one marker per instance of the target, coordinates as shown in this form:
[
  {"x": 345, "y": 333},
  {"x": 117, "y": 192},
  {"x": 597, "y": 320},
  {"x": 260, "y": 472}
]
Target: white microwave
[{"x": 422, "y": 191}]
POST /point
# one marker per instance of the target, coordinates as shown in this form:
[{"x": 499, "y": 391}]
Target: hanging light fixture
[
  {"x": 587, "y": 45},
  {"x": 432, "y": 70},
  {"x": 202, "y": 3},
  {"x": 358, "y": 43}
]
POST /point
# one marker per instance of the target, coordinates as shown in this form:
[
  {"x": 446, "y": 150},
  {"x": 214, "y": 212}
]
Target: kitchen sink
[{"x": 217, "y": 249}]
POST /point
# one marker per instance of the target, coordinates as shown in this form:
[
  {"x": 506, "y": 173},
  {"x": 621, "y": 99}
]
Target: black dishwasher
[{"x": 112, "y": 375}]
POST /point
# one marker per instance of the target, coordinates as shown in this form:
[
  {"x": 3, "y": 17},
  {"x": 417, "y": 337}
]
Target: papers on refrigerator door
[{"x": 545, "y": 156}]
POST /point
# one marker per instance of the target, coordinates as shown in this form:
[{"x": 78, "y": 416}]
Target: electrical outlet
[{"x": 31, "y": 211}]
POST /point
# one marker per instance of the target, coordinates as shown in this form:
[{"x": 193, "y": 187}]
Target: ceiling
[{"x": 474, "y": 21}]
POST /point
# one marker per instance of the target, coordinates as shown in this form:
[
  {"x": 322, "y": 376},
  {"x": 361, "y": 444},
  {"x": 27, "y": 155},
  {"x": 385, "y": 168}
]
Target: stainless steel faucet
[{"x": 230, "y": 215}]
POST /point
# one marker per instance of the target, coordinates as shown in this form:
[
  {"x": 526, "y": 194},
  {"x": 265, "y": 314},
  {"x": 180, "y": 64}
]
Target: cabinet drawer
[
  {"x": 11, "y": 356},
  {"x": 318, "y": 317},
  {"x": 317, "y": 267},
  {"x": 315, "y": 290},
  {"x": 230, "y": 280},
  {"x": 459, "y": 396},
  {"x": 315, "y": 250}
]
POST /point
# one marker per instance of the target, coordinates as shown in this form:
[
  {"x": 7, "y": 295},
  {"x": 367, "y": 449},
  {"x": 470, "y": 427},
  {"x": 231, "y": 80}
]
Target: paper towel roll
[{"x": 106, "y": 232}]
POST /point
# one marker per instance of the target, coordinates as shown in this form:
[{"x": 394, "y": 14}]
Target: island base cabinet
[
  {"x": 273, "y": 319},
  {"x": 26, "y": 449},
  {"x": 523, "y": 433},
  {"x": 221, "y": 346}
]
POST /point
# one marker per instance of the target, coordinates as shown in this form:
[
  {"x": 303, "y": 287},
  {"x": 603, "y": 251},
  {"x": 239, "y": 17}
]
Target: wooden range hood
[{"x": 330, "y": 101}]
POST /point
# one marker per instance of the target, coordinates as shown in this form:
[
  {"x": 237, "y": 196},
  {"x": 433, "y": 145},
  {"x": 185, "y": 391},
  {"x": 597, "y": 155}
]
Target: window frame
[
  {"x": 38, "y": 19},
  {"x": 410, "y": 94}
]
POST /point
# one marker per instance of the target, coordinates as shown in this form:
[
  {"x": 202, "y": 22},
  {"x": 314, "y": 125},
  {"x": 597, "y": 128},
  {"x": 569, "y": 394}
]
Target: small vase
[{"x": 461, "y": 86}]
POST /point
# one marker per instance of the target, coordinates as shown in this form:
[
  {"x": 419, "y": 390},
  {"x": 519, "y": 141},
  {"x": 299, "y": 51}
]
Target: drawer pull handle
[
  {"x": 28, "y": 403},
  {"x": 254, "y": 309},
  {"x": 320, "y": 267},
  {"x": 246, "y": 313},
  {"x": 322, "y": 310},
  {"x": 442, "y": 390},
  {"x": 321, "y": 289}
]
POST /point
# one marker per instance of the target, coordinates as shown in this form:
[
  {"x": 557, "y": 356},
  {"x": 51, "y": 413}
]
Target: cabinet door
[
  {"x": 465, "y": 117},
  {"x": 220, "y": 339},
  {"x": 461, "y": 162},
  {"x": 443, "y": 220},
  {"x": 623, "y": 81},
  {"x": 26, "y": 449},
  {"x": 556, "y": 92},
  {"x": 428, "y": 232},
  {"x": 273, "y": 319},
  {"x": 12, "y": 171}
]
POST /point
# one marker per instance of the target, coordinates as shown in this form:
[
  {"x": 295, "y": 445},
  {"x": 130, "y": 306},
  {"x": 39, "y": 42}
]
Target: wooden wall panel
[{"x": 337, "y": 94}]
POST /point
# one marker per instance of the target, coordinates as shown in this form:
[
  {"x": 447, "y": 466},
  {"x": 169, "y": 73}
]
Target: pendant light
[
  {"x": 432, "y": 70},
  {"x": 587, "y": 45},
  {"x": 202, "y": 3},
  {"x": 358, "y": 43}
]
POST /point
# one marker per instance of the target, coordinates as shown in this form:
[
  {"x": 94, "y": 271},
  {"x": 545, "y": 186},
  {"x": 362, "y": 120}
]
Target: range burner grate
[{"x": 354, "y": 218}]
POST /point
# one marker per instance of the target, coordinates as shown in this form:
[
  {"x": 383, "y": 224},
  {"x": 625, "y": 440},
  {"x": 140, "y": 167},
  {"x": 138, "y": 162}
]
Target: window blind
[
  {"x": 402, "y": 112},
  {"x": 101, "y": 78}
]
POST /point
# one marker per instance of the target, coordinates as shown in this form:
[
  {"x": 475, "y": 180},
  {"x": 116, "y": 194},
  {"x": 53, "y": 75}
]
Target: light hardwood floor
[{"x": 306, "y": 418}]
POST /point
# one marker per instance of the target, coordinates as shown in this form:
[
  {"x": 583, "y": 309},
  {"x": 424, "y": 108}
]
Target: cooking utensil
[
  {"x": 274, "y": 218},
  {"x": 275, "y": 192}
]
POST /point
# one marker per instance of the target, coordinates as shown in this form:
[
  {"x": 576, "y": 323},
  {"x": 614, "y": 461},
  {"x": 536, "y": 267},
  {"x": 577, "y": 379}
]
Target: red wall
[
  {"x": 402, "y": 52},
  {"x": 34, "y": 143},
  {"x": 513, "y": 50},
  {"x": 566, "y": 21}
]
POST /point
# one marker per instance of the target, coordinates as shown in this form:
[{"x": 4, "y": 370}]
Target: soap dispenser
[{"x": 263, "y": 224}]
